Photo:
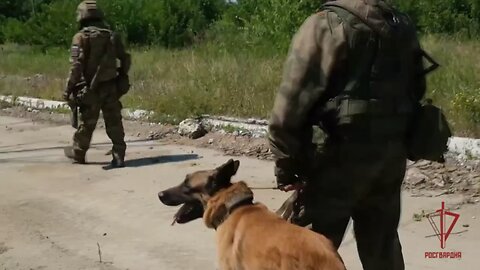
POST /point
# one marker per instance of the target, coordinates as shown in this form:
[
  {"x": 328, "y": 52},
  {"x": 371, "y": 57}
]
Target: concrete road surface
[{"x": 55, "y": 215}]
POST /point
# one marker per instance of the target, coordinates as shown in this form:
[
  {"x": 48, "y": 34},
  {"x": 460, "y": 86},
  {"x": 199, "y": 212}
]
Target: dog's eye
[
  {"x": 191, "y": 191},
  {"x": 188, "y": 190}
]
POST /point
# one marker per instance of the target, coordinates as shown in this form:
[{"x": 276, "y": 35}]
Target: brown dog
[{"x": 249, "y": 236}]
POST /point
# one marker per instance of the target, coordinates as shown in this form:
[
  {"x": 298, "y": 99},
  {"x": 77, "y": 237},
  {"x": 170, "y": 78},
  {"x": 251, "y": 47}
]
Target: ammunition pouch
[
  {"x": 429, "y": 134},
  {"x": 122, "y": 84},
  {"x": 358, "y": 120}
]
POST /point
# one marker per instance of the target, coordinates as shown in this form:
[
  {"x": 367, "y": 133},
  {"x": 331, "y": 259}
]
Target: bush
[
  {"x": 14, "y": 30},
  {"x": 19, "y": 9},
  {"x": 189, "y": 82},
  {"x": 466, "y": 110},
  {"x": 270, "y": 23},
  {"x": 444, "y": 16},
  {"x": 171, "y": 23},
  {"x": 178, "y": 23},
  {"x": 53, "y": 25}
]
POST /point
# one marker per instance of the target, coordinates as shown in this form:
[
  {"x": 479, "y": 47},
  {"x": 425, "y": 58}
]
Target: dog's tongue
[
  {"x": 188, "y": 212},
  {"x": 174, "y": 221},
  {"x": 184, "y": 209}
]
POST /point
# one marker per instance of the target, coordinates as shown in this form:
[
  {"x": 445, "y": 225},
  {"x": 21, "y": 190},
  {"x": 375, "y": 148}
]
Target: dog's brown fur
[{"x": 253, "y": 238}]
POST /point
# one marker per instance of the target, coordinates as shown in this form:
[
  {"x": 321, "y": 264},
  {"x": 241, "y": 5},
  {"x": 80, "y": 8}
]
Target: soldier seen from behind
[
  {"x": 356, "y": 71},
  {"x": 96, "y": 83}
]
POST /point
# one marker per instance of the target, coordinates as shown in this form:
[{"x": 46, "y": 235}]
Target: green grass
[
  {"x": 211, "y": 79},
  {"x": 60, "y": 110},
  {"x": 456, "y": 85},
  {"x": 232, "y": 129}
]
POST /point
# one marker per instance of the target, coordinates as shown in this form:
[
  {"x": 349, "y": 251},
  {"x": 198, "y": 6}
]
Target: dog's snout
[
  {"x": 171, "y": 197},
  {"x": 161, "y": 196}
]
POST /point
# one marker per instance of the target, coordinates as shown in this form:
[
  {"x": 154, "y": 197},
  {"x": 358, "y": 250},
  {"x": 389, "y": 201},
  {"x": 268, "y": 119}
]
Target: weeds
[
  {"x": 233, "y": 129},
  {"x": 210, "y": 79},
  {"x": 60, "y": 110},
  {"x": 4, "y": 105}
]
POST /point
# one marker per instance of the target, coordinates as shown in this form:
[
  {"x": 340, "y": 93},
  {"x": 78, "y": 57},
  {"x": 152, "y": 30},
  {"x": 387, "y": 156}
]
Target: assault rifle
[{"x": 73, "y": 104}]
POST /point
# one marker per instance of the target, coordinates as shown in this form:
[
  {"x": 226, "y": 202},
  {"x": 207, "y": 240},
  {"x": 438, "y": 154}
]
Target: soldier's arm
[
  {"x": 122, "y": 54},
  {"x": 77, "y": 61},
  {"x": 316, "y": 49}
]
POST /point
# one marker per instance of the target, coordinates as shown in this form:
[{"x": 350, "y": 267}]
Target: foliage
[
  {"x": 214, "y": 56},
  {"x": 179, "y": 23},
  {"x": 20, "y": 9},
  {"x": 466, "y": 107},
  {"x": 444, "y": 16},
  {"x": 171, "y": 23},
  {"x": 179, "y": 83}
]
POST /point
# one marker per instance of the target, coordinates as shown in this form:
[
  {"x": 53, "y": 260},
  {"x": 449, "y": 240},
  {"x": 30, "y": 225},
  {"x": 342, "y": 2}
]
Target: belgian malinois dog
[{"x": 249, "y": 236}]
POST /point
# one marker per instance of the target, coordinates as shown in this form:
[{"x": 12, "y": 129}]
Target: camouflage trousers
[
  {"x": 105, "y": 100},
  {"x": 361, "y": 182}
]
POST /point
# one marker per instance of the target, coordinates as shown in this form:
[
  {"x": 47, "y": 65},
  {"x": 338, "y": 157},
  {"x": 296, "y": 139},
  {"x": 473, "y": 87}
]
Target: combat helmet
[{"x": 88, "y": 10}]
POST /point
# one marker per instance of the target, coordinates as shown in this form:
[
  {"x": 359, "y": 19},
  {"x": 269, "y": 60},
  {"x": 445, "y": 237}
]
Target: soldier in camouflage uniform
[
  {"x": 354, "y": 70},
  {"x": 94, "y": 53}
]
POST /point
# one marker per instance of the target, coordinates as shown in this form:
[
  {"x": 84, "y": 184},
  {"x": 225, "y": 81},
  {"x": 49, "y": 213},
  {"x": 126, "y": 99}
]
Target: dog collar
[{"x": 233, "y": 204}]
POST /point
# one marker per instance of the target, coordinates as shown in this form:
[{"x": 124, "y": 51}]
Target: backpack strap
[
  {"x": 434, "y": 65},
  {"x": 94, "y": 81},
  {"x": 394, "y": 15},
  {"x": 369, "y": 58},
  {"x": 395, "y": 20}
]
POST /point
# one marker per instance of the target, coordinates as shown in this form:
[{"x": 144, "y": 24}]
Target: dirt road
[{"x": 55, "y": 215}]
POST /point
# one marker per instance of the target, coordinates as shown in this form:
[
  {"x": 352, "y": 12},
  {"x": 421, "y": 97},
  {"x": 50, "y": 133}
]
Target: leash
[{"x": 264, "y": 188}]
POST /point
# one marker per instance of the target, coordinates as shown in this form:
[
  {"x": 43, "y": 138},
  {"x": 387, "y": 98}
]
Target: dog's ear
[
  {"x": 222, "y": 176},
  {"x": 227, "y": 170}
]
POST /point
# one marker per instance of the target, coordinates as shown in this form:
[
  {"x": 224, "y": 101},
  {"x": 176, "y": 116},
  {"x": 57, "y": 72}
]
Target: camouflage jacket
[
  {"x": 316, "y": 63},
  {"x": 91, "y": 47}
]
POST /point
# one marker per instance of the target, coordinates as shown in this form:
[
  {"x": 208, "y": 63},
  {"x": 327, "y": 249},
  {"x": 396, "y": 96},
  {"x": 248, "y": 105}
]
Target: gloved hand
[
  {"x": 293, "y": 209},
  {"x": 287, "y": 183},
  {"x": 69, "y": 99},
  {"x": 299, "y": 215},
  {"x": 66, "y": 96},
  {"x": 287, "y": 179}
]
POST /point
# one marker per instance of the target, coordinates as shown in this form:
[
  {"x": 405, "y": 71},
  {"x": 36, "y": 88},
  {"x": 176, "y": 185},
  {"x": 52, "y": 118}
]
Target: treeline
[{"x": 180, "y": 23}]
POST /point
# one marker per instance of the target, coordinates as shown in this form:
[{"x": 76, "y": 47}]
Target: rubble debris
[{"x": 192, "y": 128}]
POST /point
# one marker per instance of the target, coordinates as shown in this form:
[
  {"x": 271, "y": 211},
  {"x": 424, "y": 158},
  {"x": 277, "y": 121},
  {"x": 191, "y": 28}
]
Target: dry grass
[
  {"x": 213, "y": 80},
  {"x": 456, "y": 85}
]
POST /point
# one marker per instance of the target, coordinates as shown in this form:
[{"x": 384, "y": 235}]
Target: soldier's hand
[
  {"x": 288, "y": 182},
  {"x": 66, "y": 96},
  {"x": 291, "y": 187}
]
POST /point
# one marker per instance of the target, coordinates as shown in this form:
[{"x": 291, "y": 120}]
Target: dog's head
[{"x": 197, "y": 188}]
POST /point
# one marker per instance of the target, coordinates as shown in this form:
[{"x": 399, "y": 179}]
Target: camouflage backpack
[
  {"x": 376, "y": 101},
  {"x": 101, "y": 64}
]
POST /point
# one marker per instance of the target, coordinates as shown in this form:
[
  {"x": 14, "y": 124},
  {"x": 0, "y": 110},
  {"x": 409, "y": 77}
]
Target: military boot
[
  {"x": 76, "y": 156},
  {"x": 118, "y": 160}
]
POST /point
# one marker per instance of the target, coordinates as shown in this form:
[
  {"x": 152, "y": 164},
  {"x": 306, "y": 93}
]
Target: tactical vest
[
  {"x": 100, "y": 56},
  {"x": 374, "y": 102}
]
